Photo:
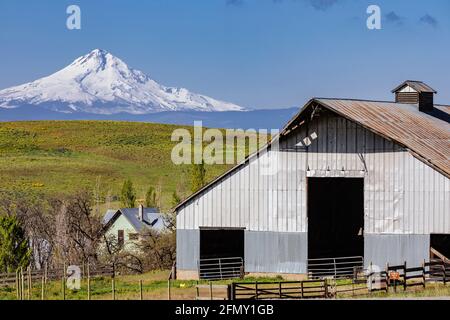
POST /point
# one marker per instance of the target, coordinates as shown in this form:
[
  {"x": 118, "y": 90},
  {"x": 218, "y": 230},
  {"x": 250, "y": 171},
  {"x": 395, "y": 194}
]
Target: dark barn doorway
[
  {"x": 335, "y": 219},
  {"x": 221, "y": 253},
  {"x": 440, "y": 243}
]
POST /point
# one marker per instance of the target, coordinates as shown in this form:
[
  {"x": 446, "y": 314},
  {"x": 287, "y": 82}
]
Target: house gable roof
[{"x": 152, "y": 218}]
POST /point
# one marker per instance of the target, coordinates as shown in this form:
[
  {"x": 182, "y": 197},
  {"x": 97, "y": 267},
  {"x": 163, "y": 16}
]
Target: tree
[
  {"x": 128, "y": 194},
  {"x": 175, "y": 199},
  {"x": 198, "y": 174},
  {"x": 78, "y": 229},
  {"x": 150, "y": 198},
  {"x": 36, "y": 218},
  {"x": 158, "y": 249},
  {"x": 115, "y": 255},
  {"x": 14, "y": 250}
]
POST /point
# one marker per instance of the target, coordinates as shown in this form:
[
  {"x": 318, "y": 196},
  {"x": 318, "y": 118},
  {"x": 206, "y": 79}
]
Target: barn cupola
[{"x": 415, "y": 92}]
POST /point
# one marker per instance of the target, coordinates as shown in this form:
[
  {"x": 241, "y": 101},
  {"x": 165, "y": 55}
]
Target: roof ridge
[{"x": 352, "y": 99}]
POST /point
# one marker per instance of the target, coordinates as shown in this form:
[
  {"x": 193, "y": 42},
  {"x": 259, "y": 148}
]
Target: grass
[
  {"x": 155, "y": 288},
  {"x": 61, "y": 157},
  {"x": 126, "y": 288},
  {"x": 432, "y": 290}
]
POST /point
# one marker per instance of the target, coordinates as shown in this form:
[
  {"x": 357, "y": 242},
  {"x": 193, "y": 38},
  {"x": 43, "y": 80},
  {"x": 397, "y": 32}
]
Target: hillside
[{"x": 60, "y": 157}]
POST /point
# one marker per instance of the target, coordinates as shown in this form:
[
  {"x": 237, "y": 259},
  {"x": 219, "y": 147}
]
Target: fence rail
[
  {"x": 7, "y": 279},
  {"x": 394, "y": 277},
  {"x": 307, "y": 289}
]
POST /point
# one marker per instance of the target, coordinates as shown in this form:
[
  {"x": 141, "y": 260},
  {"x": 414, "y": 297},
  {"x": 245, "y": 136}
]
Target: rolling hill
[{"x": 60, "y": 157}]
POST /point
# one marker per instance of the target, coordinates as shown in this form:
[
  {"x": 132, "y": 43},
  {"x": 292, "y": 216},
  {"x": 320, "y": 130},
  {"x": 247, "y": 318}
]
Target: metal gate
[
  {"x": 337, "y": 268},
  {"x": 221, "y": 268}
]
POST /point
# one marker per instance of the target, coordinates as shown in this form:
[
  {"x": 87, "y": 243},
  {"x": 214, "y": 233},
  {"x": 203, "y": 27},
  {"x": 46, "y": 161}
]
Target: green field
[
  {"x": 155, "y": 287},
  {"x": 60, "y": 157}
]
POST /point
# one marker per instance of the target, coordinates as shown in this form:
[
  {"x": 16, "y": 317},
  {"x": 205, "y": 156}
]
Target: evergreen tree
[
  {"x": 128, "y": 194},
  {"x": 14, "y": 250},
  {"x": 150, "y": 198},
  {"x": 198, "y": 174},
  {"x": 175, "y": 199}
]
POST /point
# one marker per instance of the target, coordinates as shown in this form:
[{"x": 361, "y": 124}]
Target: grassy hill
[{"x": 60, "y": 157}]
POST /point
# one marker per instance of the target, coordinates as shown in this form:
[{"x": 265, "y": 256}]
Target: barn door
[
  {"x": 221, "y": 253},
  {"x": 335, "y": 221}
]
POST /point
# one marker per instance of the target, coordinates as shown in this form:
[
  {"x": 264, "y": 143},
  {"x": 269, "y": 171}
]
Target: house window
[
  {"x": 133, "y": 236},
  {"x": 120, "y": 238}
]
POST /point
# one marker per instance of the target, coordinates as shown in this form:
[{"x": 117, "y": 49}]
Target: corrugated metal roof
[
  {"x": 419, "y": 86},
  {"x": 109, "y": 215},
  {"x": 426, "y": 136},
  {"x": 443, "y": 108}
]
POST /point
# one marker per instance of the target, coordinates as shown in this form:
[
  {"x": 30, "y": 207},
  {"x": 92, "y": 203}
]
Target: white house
[{"x": 127, "y": 225}]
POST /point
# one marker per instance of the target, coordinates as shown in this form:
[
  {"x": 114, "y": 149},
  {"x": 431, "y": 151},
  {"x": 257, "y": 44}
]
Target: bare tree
[
  {"x": 116, "y": 256},
  {"x": 158, "y": 249},
  {"x": 78, "y": 229}
]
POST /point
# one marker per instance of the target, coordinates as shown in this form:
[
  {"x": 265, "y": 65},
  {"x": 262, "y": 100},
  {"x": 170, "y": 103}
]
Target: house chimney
[
  {"x": 141, "y": 212},
  {"x": 415, "y": 92}
]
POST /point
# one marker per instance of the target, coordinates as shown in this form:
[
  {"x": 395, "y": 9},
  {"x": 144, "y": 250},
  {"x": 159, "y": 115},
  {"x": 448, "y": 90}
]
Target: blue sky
[{"x": 256, "y": 53}]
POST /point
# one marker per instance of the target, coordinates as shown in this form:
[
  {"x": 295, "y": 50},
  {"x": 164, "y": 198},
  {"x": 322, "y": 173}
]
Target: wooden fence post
[
  {"x": 404, "y": 277},
  {"x": 63, "y": 287},
  {"x": 88, "y": 282},
  {"x": 141, "y": 296},
  {"x": 17, "y": 284},
  {"x": 233, "y": 291},
  {"x": 443, "y": 273},
  {"x": 113, "y": 288},
  {"x": 387, "y": 277},
  {"x": 43, "y": 288},
  {"x": 325, "y": 284},
  {"x": 302, "y": 289},
  {"x": 45, "y": 272},
  {"x": 168, "y": 290},
  {"x": 353, "y": 288},
  {"x": 423, "y": 274},
  {"x": 210, "y": 291},
  {"x": 256, "y": 290},
  {"x": 279, "y": 289},
  {"x": 30, "y": 284},
  {"x": 395, "y": 285},
  {"x": 22, "y": 284}
]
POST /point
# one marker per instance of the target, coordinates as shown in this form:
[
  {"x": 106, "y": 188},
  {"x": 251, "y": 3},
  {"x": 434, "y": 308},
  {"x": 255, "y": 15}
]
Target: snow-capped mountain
[{"x": 101, "y": 83}]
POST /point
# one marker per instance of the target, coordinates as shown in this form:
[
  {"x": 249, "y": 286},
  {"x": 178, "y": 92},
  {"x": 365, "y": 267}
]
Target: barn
[{"x": 348, "y": 179}]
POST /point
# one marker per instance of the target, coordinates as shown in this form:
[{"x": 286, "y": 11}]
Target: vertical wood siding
[{"x": 402, "y": 194}]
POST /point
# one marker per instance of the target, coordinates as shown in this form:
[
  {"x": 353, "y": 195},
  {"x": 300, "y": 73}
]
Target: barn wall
[
  {"x": 281, "y": 252},
  {"x": 413, "y": 249},
  {"x": 188, "y": 249},
  {"x": 402, "y": 194}
]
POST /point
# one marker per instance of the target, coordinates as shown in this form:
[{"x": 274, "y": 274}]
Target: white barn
[{"x": 352, "y": 178}]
